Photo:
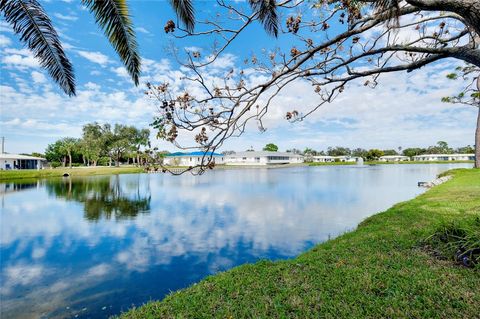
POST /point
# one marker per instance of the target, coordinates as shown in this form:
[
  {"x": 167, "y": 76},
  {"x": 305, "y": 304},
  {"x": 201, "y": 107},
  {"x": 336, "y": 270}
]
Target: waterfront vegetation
[
  {"x": 387, "y": 267},
  {"x": 58, "y": 172}
]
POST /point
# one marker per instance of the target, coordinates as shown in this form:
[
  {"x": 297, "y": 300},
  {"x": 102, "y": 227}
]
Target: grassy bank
[
  {"x": 380, "y": 270},
  {"x": 58, "y": 172}
]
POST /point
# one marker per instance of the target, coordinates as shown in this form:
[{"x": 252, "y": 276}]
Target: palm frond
[
  {"x": 35, "y": 29},
  {"x": 112, "y": 16},
  {"x": 186, "y": 13},
  {"x": 267, "y": 13}
]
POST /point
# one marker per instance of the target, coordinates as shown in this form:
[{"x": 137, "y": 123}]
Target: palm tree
[
  {"x": 30, "y": 21},
  {"x": 68, "y": 146}
]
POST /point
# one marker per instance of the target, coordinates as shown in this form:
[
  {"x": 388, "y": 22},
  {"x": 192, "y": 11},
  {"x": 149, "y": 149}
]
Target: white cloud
[
  {"x": 142, "y": 30},
  {"x": 4, "y": 41},
  {"x": 92, "y": 86},
  {"x": 38, "y": 78},
  {"x": 95, "y": 57},
  {"x": 121, "y": 72},
  {"x": 404, "y": 110},
  {"x": 5, "y": 27},
  {"x": 65, "y": 17},
  {"x": 21, "y": 62}
]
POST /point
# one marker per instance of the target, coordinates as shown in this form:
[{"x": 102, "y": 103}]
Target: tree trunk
[
  {"x": 70, "y": 160},
  {"x": 64, "y": 161},
  {"x": 477, "y": 141},
  {"x": 477, "y": 131}
]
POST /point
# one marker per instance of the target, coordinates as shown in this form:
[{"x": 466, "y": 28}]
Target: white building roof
[
  {"x": 263, "y": 153},
  {"x": 20, "y": 157},
  {"x": 442, "y": 155},
  {"x": 393, "y": 156}
]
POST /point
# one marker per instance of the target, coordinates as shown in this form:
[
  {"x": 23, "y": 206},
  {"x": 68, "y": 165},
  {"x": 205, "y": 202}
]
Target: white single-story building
[
  {"x": 192, "y": 159},
  {"x": 445, "y": 157},
  {"x": 331, "y": 159},
  {"x": 17, "y": 161},
  {"x": 323, "y": 159},
  {"x": 347, "y": 158},
  {"x": 263, "y": 158},
  {"x": 393, "y": 158}
]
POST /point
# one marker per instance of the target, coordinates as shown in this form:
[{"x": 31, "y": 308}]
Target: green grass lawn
[
  {"x": 58, "y": 172},
  {"x": 380, "y": 270}
]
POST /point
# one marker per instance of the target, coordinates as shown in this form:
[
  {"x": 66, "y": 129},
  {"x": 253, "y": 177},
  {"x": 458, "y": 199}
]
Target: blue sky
[{"x": 404, "y": 110}]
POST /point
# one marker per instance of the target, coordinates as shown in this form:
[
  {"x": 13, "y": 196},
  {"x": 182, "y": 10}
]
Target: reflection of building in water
[
  {"x": 104, "y": 197},
  {"x": 14, "y": 187},
  {"x": 16, "y": 161}
]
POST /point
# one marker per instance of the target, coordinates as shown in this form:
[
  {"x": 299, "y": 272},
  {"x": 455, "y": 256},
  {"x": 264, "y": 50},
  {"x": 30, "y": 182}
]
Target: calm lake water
[{"x": 95, "y": 246}]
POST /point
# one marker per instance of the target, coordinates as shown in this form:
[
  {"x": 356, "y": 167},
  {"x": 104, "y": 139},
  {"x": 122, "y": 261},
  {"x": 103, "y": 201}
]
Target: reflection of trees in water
[{"x": 102, "y": 196}]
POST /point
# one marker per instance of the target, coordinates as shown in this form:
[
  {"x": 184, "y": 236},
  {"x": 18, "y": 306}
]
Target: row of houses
[
  {"x": 15, "y": 161},
  {"x": 429, "y": 158},
  {"x": 241, "y": 158},
  {"x": 272, "y": 158}
]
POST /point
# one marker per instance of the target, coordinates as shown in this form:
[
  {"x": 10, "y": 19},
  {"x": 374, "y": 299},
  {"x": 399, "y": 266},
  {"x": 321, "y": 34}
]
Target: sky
[{"x": 404, "y": 110}]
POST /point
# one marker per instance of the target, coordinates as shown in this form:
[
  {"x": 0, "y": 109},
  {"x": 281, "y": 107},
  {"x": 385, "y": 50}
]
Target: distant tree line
[{"x": 102, "y": 145}]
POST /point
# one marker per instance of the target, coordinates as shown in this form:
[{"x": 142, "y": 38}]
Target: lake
[{"x": 94, "y": 246}]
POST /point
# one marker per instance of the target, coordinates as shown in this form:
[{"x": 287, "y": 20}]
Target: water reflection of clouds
[{"x": 216, "y": 220}]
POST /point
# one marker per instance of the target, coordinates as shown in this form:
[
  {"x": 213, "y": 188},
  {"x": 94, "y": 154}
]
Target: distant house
[
  {"x": 329, "y": 159},
  {"x": 347, "y": 159},
  {"x": 191, "y": 159},
  {"x": 444, "y": 157},
  {"x": 17, "y": 161},
  {"x": 263, "y": 158},
  {"x": 323, "y": 159},
  {"x": 393, "y": 158}
]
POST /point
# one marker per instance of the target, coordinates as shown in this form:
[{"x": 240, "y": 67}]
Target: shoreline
[
  {"x": 13, "y": 175},
  {"x": 378, "y": 270}
]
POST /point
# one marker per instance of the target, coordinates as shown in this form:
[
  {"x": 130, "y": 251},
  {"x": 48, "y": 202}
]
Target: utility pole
[{"x": 3, "y": 144}]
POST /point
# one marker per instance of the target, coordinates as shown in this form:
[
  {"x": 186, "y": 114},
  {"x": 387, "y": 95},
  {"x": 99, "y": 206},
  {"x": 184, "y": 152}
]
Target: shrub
[
  {"x": 55, "y": 164},
  {"x": 103, "y": 161},
  {"x": 459, "y": 241}
]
